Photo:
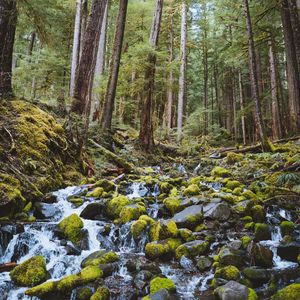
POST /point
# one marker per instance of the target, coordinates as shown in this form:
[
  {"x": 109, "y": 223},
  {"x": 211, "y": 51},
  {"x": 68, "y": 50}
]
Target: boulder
[
  {"x": 261, "y": 255},
  {"x": 289, "y": 251},
  {"x": 100, "y": 257},
  {"x": 204, "y": 263},
  {"x": 45, "y": 210},
  {"x": 162, "y": 294},
  {"x": 217, "y": 211},
  {"x": 228, "y": 256},
  {"x": 159, "y": 283},
  {"x": 257, "y": 276},
  {"x": 93, "y": 211},
  {"x": 291, "y": 292},
  {"x": 191, "y": 249},
  {"x": 189, "y": 217},
  {"x": 262, "y": 232}
]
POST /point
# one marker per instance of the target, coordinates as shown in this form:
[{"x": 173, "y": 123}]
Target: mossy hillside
[
  {"x": 66, "y": 284},
  {"x": 30, "y": 273},
  {"x": 36, "y": 156}
]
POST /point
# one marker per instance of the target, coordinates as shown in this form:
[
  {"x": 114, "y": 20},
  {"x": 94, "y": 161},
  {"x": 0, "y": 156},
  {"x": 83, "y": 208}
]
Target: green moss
[
  {"x": 30, "y": 273},
  {"x": 191, "y": 190},
  {"x": 249, "y": 225},
  {"x": 28, "y": 207},
  {"x": 200, "y": 228},
  {"x": 186, "y": 234},
  {"x": 137, "y": 228},
  {"x": 162, "y": 230},
  {"x": 220, "y": 172},
  {"x": 66, "y": 284},
  {"x": 71, "y": 228},
  {"x": 83, "y": 293},
  {"x": 165, "y": 187},
  {"x": 107, "y": 185},
  {"x": 291, "y": 292},
  {"x": 96, "y": 193},
  {"x": 245, "y": 241},
  {"x": 249, "y": 195},
  {"x": 116, "y": 205},
  {"x": 76, "y": 201},
  {"x": 159, "y": 283},
  {"x": 172, "y": 204},
  {"x": 258, "y": 213},
  {"x": 173, "y": 243},
  {"x": 132, "y": 212},
  {"x": 247, "y": 219},
  {"x": 232, "y": 184},
  {"x": 148, "y": 219},
  {"x": 287, "y": 228},
  {"x": 262, "y": 232},
  {"x": 233, "y": 158},
  {"x": 155, "y": 250},
  {"x": 228, "y": 273},
  {"x": 252, "y": 295},
  {"x": 102, "y": 293},
  {"x": 100, "y": 257},
  {"x": 191, "y": 249}
]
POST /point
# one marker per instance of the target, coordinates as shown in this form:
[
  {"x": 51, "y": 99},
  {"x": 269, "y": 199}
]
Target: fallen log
[
  {"x": 7, "y": 267},
  {"x": 113, "y": 157}
]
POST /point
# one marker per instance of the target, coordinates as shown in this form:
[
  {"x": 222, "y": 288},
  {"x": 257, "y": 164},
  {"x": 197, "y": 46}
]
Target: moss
[
  {"x": 102, "y": 293},
  {"x": 84, "y": 294},
  {"x": 96, "y": 193},
  {"x": 100, "y": 257},
  {"x": 237, "y": 191},
  {"x": 249, "y": 195},
  {"x": 31, "y": 219},
  {"x": 262, "y": 232},
  {"x": 162, "y": 230},
  {"x": 165, "y": 187},
  {"x": 28, "y": 207},
  {"x": 245, "y": 241},
  {"x": 71, "y": 228},
  {"x": 247, "y": 219},
  {"x": 220, "y": 172},
  {"x": 233, "y": 158},
  {"x": 200, "y": 228},
  {"x": 287, "y": 228},
  {"x": 155, "y": 250},
  {"x": 173, "y": 243},
  {"x": 107, "y": 185},
  {"x": 191, "y": 249},
  {"x": 258, "y": 213},
  {"x": 186, "y": 234},
  {"x": 252, "y": 295},
  {"x": 196, "y": 180},
  {"x": 148, "y": 219},
  {"x": 66, "y": 284},
  {"x": 115, "y": 206},
  {"x": 132, "y": 212},
  {"x": 76, "y": 201},
  {"x": 291, "y": 292},
  {"x": 232, "y": 184},
  {"x": 228, "y": 273},
  {"x": 137, "y": 228},
  {"x": 159, "y": 283},
  {"x": 30, "y": 273},
  {"x": 298, "y": 259},
  {"x": 249, "y": 225},
  {"x": 191, "y": 190},
  {"x": 172, "y": 204}
]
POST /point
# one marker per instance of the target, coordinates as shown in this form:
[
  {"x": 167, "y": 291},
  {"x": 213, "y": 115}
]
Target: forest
[{"x": 149, "y": 149}]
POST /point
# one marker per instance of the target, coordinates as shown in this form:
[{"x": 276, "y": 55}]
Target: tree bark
[
  {"x": 8, "y": 22},
  {"x": 84, "y": 20},
  {"x": 254, "y": 81},
  {"x": 146, "y": 126},
  {"x": 76, "y": 47},
  {"x": 242, "y": 105},
  {"x": 114, "y": 68},
  {"x": 31, "y": 45},
  {"x": 182, "y": 71},
  {"x": 292, "y": 68},
  {"x": 276, "y": 121},
  {"x": 86, "y": 67},
  {"x": 205, "y": 75}
]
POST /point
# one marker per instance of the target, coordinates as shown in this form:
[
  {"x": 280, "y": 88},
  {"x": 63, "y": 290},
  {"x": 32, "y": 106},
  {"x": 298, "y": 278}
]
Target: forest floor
[{"x": 200, "y": 216}]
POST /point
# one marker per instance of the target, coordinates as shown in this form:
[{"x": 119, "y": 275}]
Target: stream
[{"x": 20, "y": 242}]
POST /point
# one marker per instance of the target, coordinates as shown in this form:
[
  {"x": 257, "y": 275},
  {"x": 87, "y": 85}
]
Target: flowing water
[{"x": 39, "y": 239}]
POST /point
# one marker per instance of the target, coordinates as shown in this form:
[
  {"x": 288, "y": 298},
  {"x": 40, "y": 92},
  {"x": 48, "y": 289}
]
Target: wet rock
[
  {"x": 289, "y": 251},
  {"x": 156, "y": 250},
  {"x": 83, "y": 293},
  {"x": 72, "y": 249},
  {"x": 257, "y": 276},
  {"x": 243, "y": 207},
  {"x": 262, "y": 232},
  {"x": 261, "y": 256},
  {"x": 109, "y": 268},
  {"x": 287, "y": 228},
  {"x": 258, "y": 213},
  {"x": 218, "y": 211},
  {"x": 235, "y": 245},
  {"x": 204, "y": 263},
  {"x": 94, "y": 211},
  {"x": 99, "y": 257},
  {"x": 291, "y": 292},
  {"x": 189, "y": 217},
  {"x": 162, "y": 294},
  {"x": 191, "y": 249},
  {"x": 6, "y": 234},
  {"x": 142, "y": 279},
  {"x": 45, "y": 210},
  {"x": 49, "y": 198},
  {"x": 30, "y": 273},
  {"x": 232, "y": 257},
  {"x": 235, "y": 291}
]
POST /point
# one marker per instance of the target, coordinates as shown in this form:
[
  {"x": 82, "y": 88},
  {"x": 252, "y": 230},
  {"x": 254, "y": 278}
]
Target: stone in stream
[
  {"x": 217, "y": 211},
  {"x": 189, "y": 217},
  {"x": 261, "y": 255},
  {"x": 94, "y": 211},
  {"x": 204, "y": 263},
  {"x": 235, "y": 291},
  {"x": 228, "y": 256},
  {"x": 45, "y": 210},
  {"x": 289, "y": 251},
  {"x": 142, "y": 278},
  {"x": 49, "y": 198},
  {"x": 262, "y": 232},
  {"x": 257, "y": 276},
  {"x": 162, "y": 294},
  {"x": 100, "y": 257},
  {"x": 191, "y": 249}
]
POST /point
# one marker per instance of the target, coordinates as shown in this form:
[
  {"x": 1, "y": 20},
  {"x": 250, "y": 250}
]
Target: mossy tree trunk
[{"x": 8, "y": 21}]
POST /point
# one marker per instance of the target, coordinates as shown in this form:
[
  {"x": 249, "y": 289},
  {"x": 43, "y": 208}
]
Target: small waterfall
[{"x": 137, "y": 190}]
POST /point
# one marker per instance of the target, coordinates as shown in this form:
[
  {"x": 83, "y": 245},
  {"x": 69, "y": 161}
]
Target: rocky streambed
[{"x": 166, "y": 234}]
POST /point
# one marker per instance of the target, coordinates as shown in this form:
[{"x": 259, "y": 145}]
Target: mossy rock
[
  {"x": 159, "y": 283},
  {"x": 96, "y": 193},
  {"x": 116, "y": 205},
  {"x": 156, "y": 250},
  {"x": 191, "y": 249},
  {"x": 186, "y": 234},
  {"x": 173, "y": 204},
  {"x": 102, "y": 293},
  {"x": 233, "y": 158},
  {"x": 107, "y": 185},
  {"x": 220, "y": 172},
  {"x": 132, "y": 212},
  {"x": 30, "y": 273},
  {"x": 191, "y": 190},
  {"x": 165, "y": 187},
  {"x": 228, "y": 273},
  {"x": 246, "y": 240},
  {"x": 100, "y": 257},
  {"x": 72, "y": 228},
  {"x": 287, "y": 228},
  {"x": 137, "y": 228},
  {"x": 84, "y": 293},
  {"x": 233, "y": 184},
  {"x": 66, "y": 284},
  {"x": 291, "y": 292},
  {"x": 258, "y": 213},
  {"x": 262, "y": 232},
  {"x": 163, "y": 229}
]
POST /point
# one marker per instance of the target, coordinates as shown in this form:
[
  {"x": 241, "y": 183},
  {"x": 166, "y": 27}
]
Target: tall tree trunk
[
  {"x": 31, "y": 45},
  {"x": 83, "y": 24},
  {"x": 114, "y": 68},
  {"x": 254, "y": 82},
  {"x": 146, "y": 125},
  {"x": 86, "y": 67},
  {"x": 292, "y": 69},
  {"x": 76, "y": 47},
  {"x": 169, "y": 106},
  {"x": 182, "y": 71},
  {"x": 276, "y": 122},
  {"x": 205, "y": 76},
  {"x": 242, "y": 105},
  {"x": 8, "y": 22}
]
